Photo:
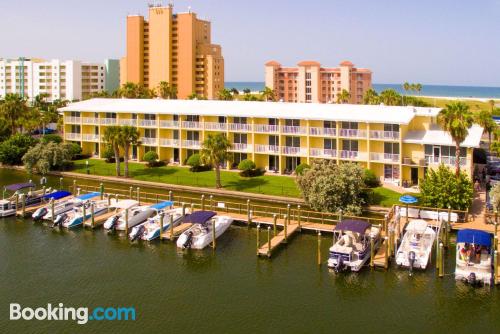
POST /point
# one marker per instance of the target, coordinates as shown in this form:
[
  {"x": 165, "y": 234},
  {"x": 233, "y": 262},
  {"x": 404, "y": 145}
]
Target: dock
[
  {"x": 177, "y": 231},
  {"x": 281, "y": 238},
  {"x": 99, "y": 220}
]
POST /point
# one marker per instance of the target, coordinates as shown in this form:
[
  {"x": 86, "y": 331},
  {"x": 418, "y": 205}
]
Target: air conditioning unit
[
  {"x": 407, "y": 161},
  {"x": 422, "y": 163}
]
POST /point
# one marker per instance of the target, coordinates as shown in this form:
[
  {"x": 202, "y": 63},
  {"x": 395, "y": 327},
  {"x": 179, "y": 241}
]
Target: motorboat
[
  {"x": 64, "y": 203},
  {"x": 353, "y": 247},
  {"x": 416, "y": 245},
  {"x": 200, "y": 235},
  {"x": 78, "y": 215},
  {"x": 32, "y": 197},
  {"x": 474, "y": 259},
  {"x": 61, "y": 208},
  {"x": 136, "y": 215},
  {"x": 150, "y": 229}
]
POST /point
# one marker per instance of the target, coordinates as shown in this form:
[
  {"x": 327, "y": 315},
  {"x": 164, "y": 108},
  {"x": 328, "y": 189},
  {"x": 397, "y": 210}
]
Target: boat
[
  {"x": 416, "y": 245},
  {"x": 353, "y": 247},
  {"x": 78, "y": 215},
  {"x": 474, "y": 260},
  {"x": 136, "y": 215},
  {"x": 150, "y": 229},
  {"x": 32, "y": 197},
  {"x": 200, "y": 235},
  {"x": 59, "y": 207}
]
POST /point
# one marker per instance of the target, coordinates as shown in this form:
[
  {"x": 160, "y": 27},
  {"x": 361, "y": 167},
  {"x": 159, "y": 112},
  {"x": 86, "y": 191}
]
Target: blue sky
[{"x": 432, "y": 42}]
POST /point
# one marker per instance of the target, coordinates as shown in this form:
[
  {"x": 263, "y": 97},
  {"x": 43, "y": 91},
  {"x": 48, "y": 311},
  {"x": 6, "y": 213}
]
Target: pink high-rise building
[{"x": 309, "y": 82}]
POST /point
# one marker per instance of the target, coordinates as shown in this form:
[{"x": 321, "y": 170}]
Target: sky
[{"x": 431, "y": 42}]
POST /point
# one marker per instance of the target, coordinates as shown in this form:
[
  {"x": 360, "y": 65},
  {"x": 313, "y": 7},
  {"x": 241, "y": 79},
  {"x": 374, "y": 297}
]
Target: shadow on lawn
[
  {"x": 243, "y": 184},
  {"x": 153, "y": 172}
]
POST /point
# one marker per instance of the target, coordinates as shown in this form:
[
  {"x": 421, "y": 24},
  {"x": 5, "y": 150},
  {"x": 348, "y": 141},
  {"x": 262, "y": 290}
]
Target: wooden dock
[
  {"x": 177, "y": 231},
  {"x": 379, "y": 258},
  {"x": 280, "y": 238},
  {"x": 99, "y": 220}
]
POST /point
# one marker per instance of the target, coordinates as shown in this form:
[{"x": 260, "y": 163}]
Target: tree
[
  {"x": 246, "y": 167},
  {"x": 194, "y": 96},
  {"x": 4, "y": 130},
  {"x": 406, "y": 87},
  {"x": 268, "y": 94},
  {"x": 370, "y": 179},
  {"x": 247, "y": 91},
  {"x": 112, "y": 136},
  {"x": 235, "y": 92},
  {"x": 13, "y": 109},
  {"x": 343, "y": 97},
  {"x": 390, "y": 97},
  {"x": 45, "y": 157},
  {"x": 371, "y": 97},
  {"x": 128, "y": 136},
  {"x": 495, "y": 196},
  {"x": 250, "y": 97},
  {"x": 456, "y": 119},
  {"x": 418, "y": 88},
  {"x": 485, "y": 119},
  {"x": 151, "y": 157},
  {"x": 329, "y": 187},
  {"x": 13, "y": 149},
  {"x": 225, "y": 95},
  {"x": 301, "y": 168},
  {"x": 131, "y": 90},
  {"x": 442, "y": 189},
  {"x": 165, "y": 91},
  {"x": 214, "y": 151}
]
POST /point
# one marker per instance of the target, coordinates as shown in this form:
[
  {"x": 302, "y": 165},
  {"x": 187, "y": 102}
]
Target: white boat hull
[{"x": 204, "y": 238}]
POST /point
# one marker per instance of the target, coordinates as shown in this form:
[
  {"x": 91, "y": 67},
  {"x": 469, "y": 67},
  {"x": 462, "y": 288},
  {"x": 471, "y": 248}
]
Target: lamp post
[{"x": 87, "y": 166}]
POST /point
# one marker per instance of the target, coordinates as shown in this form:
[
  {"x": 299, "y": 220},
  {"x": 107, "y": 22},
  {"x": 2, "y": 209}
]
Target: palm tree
[
  {"x": 13, "y": 109},
  {"x": 343, "y": 97},
  {"x": 268, "y": 94},
  {"x": 418, "y": 88},
  {"x": 485, "y": 119},
  {"x": 163, "y": 90},
  {"x": 214, "y": 150},
  {"x": 128, "y": 136},
  {"x": 225, "y": 95},
  {"x": 128, "y": 90},
  {"x": 389, "y": 97},
  {"x": 112, "y": 136},
  {"x": 456, "y": 119},
  {"x": 371, "y": 97},
  {"x": 247, "y": 91},
  {"x": 235, "y": 92}
]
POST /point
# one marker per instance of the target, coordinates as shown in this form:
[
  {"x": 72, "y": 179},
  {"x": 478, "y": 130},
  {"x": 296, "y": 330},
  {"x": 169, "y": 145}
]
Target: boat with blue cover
[
  {"x": 78, "y": 215},
  {"x": 474, "y": 260},
  {"x": 201, "y": 234},
  {"x": 64, "y": 204},
  {"x": 23, "y": 191}
]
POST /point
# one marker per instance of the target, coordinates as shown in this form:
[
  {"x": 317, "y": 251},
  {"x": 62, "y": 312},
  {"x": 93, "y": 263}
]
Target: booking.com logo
[{"x": 81, "y": 315}]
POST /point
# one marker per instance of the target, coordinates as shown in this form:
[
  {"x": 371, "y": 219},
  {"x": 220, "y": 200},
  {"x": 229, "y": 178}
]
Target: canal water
[{"x": 228, "y": 290}]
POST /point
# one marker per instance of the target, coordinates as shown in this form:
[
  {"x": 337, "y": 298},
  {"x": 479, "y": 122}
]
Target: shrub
[
  {"x": 108, "y": 154},
  {"x": 495, "y": 196},
  {"x": 13, "y": 149},
  {"x": 45, "y": 157},
  {"x": 246, "y": 165},
  {"x": 51, "y": 138},
  {"x": 370, "y": 179},
  {"x": 248, "y": 169},
  {"x": 151, "y": 158},
  {"x": 195, "y": 162},
  {"x": 300, "y": 169},
  {"x": 74, "y": 149}
]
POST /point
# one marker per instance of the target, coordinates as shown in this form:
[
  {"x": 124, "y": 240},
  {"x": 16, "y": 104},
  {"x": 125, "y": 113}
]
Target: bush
[
  {"x": 370, "y": 179},
  {"x": 151, "y": 158},
  {"x": 74, "y": 149},
  {"x": 246, "y": 165},
  {"x": 109, "y": 154},
  {"x": 300, "y": 169},
  {"x": 45, "y": 157},
  {"x": 248, "y": 169},
  {"x": 195, "y": 162},
  {"x": 51, "y": 138},
  {"x": 13, "y": 149}
]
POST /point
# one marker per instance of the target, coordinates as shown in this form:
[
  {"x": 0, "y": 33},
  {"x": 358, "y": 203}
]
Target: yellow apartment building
[
  {"x": 172, "y": 47},
  {"x": 397, "y": 143}
]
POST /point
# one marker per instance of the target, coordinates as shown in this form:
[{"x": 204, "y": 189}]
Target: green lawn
[
  {"x": 474, "y": 105},
  {"x": 267, "y": 184}
]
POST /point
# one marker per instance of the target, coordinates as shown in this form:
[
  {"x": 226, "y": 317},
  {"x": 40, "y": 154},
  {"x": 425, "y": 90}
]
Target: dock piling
[
  {"x": 192, "y": 207},
  {"x": 212, "y": 203},
  {"x": 248, "y": 208},
  {"x": 84, "y": 209},
  {"x": 78, "y": 191},
  {"x": 162, "y": 216},
  {"x": 386, "y": 255},
  {"x": 249, "y": 218},
  {"x": 171, "y": 225},
  {"x": 319, "y": 248},
  {"x": 101, "y": 189},
  {"x": 61, "y": 183},
  {"x": 441, "y": 260},
  {"x": 170, "y": 196},
  {"x": 74, "y": 186},
  {"x": 298, "y": 215},
  {"x": 17, "y": 201},
  {"x": 495, "y": 267},
  {"x": 126, "y": 222},
  {"x": 23, "y": 203},
  {"x": 92, "y": 216},
  {"x": 157, "y": 198},
  {"x": 52, "y": 210},
  {"x": 202, "y": 202},
  {"x": 258, "y": 238},
  {"x": 183, "y": 209},
  {"x": 214, "y": 239},
  {"x": 285, "y": 228},
  {"x": 109, "y": 201},
  {"x": 372, "y": 251},
  {"x": 275, "y": 229},
  {"x": 139, "y": 195},
  {"x": 130, "y": 190},
  {"x": 269, "y": 241}
]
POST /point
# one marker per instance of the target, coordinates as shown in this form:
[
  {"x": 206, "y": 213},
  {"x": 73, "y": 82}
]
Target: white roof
[
  {"x": 312, "y": 111},
  {"x": 417, "y": 226},
  {"x": 440, "y": 137}
]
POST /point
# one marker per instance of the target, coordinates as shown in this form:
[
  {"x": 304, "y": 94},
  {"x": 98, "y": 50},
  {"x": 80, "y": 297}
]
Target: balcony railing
[
  {"x": 215, "y": 126},
  {"x": 323, "y": 153},
  {"x": 385, "y": 135},
  {"x": 389, "y": 157},
  {"x": 73, "y": 136},
  {"x": 129, "y": 121},
  {"x": 352, "y": 155},
  {"x": 241, "y": 147},
  {"x": 148, "y": 122},
  {"x": 353, "y": 133},
  {"x": 169, "y": 142},
  {"x": 108, "y": 121},
  {"x": 264, "y": 128},
  {"x": 191, "y": 125},
  {"x": 191, "y": 144},
  {"x": 169, "y": 124},
  {"x": 450, "y": 161},
  {"x": 294, "y": 129},
  {"x": 90, "y": 120},
  {"x": 149, "y": 141},
  {"x": 90, "y": 137},
  {"x": 272, "y": 149},
  {"x": 290, "y": 150},
  {"x": 70, "y": 119},
  {"x": 239, "y": 127},
  {"x": 323, "y": 132}
]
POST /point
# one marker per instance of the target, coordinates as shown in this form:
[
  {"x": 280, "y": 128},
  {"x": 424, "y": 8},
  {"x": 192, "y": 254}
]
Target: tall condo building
[
  {"x": 175, "y": 48},
  {"x": 60, "y": 80},
  {"x": 309, "y": 82}
]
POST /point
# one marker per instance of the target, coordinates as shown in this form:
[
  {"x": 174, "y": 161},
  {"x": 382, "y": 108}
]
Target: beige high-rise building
[
  {"x": 309, "y": 82},
  {"x": 175, "y": 48}
]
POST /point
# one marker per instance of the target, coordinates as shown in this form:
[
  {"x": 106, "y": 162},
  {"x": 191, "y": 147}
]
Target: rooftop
[{"x": 440, "y": 137}]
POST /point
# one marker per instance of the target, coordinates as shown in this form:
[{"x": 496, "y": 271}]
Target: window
[
  {"x": 240, "y": 120},
  {"x": 308, "y": 75},
  {"x": 240, "y": 138},
  {"x": 350, "y": 145},
  {"x": 391, "y": 148},
  {"x": 292, "y": 141},
  {"x": 175, "y": 134},
  {"x": 150, "y": 117},
  {"x": 292, "y": 122},
  {"x": 329, "y": 144},
  {"x": 329, "y": 124},
  {"x": 274, "y": 140},
  {"x": 111, "y": 115},
  {"x": 272, "y": 121},
  {"x": 75, "y": 128},
  {"x": 193, "y": 135},
  {"x": 222, "y": 119},
  {"x": 192, "y": 118},
  {"x": 150, "y": 133},
  {"x": 391, "y": 172},
  {"x": 391, "y": 127},
  {"x": 350, "y": 125},
  {"x": 176, "y": 118}
]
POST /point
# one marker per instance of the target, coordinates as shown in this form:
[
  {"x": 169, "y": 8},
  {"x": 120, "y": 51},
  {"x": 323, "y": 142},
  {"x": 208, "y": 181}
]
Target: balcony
[
  {"x": 148, "y": 123},
  {"x": 149, "y": 141},
  {"x": 127, "y": 121},
  {"x": 213, "y": 126},
  {"x": 290, "y": 150},
  {"x": 384, "y": 135},
  {"x": 352, "y": 133},
  {"x": 384, "y": 157},
  {"x": 269, "y": 149},
  {"x": 299, "y": 130},
  {"x": 169, "y": 142},
  {"x": 449, "y": 161},
  {"x": 323, "y": 153},
  {"x": 90, "y": 120},
  {"x": 239, "y": 127},
  {"x": 108, "y": 121},
  {"x": 169, "y": 124},
  {"x": 90, "y": 137},
  {"x": 264, "y": 128},
  {"x": 332, "y": 132},
  {"x": 191, "y": 125},
  {"x": 70, "y": 119},
  {"x": 352, "y": 155},
  {"x": 194, "y": 144},
  {"x": 241, "y": 147},
  {"x": 73, "y": 136}
]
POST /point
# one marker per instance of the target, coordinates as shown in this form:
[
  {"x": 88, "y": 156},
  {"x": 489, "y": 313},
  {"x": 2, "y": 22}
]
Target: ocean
[{"x": 427, "y": 90}]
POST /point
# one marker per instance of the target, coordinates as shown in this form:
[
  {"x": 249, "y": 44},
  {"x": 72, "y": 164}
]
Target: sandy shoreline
[{"x": 463, "y": 98}]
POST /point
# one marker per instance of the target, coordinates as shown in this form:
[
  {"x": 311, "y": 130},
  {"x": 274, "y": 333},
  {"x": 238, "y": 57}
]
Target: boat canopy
[
  {"x": 417, "y": 226},
  {"x": 162, "y": 205},
  {"x": 408, "y": 199},
  {"x": 476, "y": 237},
  {"x": 125, "y": 204},
  {"x": 57, "y": 195},
  {"x": 199, "y": 217},
  {"x": 88, "y": 196},
  {"x": 19, "y": 186},
  {"x": 358, "y": 226}
]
